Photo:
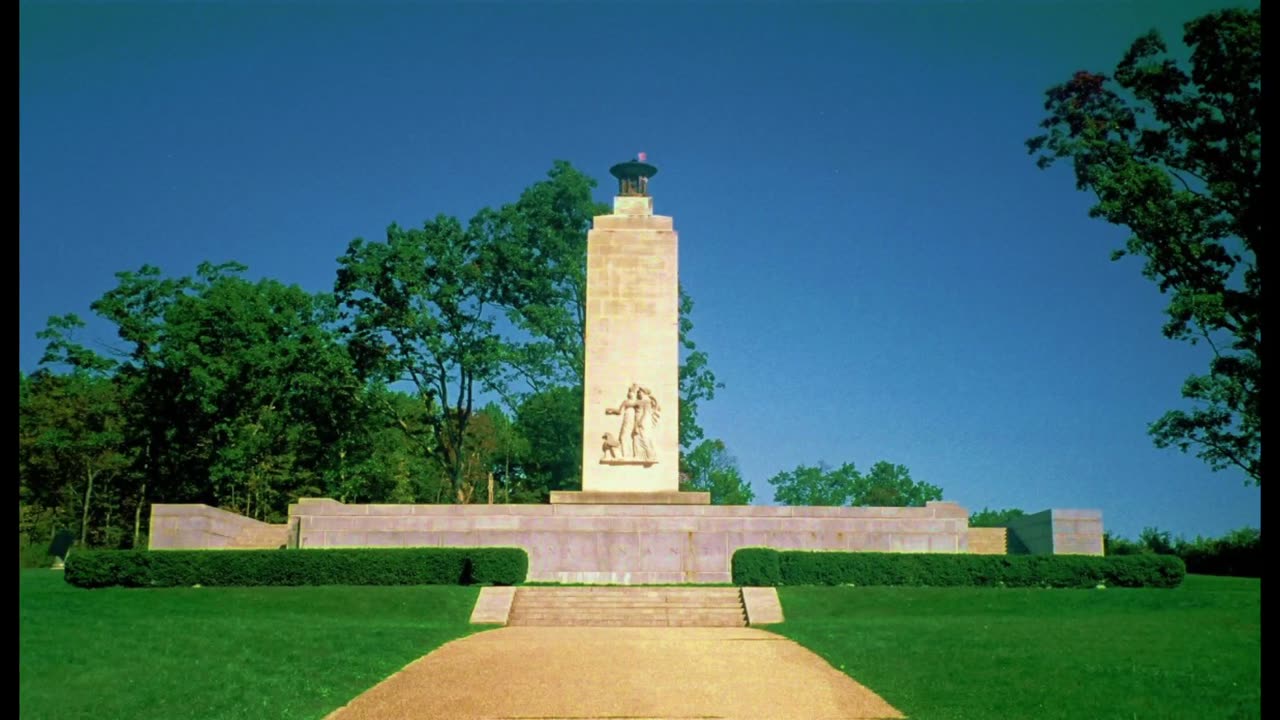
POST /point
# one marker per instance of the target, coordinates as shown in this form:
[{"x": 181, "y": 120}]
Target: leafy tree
[
  {"x": 710, "y": 468},
  {"x": 264, "y": 384},
  {"x": 540, "y": 246},
  {"x": 820, "y": 485},
  {"x": 74, "y": 427},
  {"x": 385, "y": 455},
  {"x": 136, "y": 306},
  {"x": 419, "y": 308},
  {"x": 235, "y": 393},
  {"x": 1115, "y": 545},
  {"x": 490, "y": 450},
  {"x": 1175, "y": 156},
  {"x": 1156, "y": 541},
  {"x": 549, "y": 425},
  {"x": 987, "y": 517},
  {"x": 697, "y": 381},
  {"x": 70, "y": 444},
  {"x": 887, "y": 485}
]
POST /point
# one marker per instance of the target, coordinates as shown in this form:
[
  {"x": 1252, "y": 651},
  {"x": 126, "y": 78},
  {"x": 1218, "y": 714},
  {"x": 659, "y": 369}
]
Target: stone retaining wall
[
  {"x": 632, "y": 543},
  {"x": 629, "y": 543},
  {"x": 988, "y": 541},
  {"x": 200, "y": 527},
  {"x": 1057, "y": 532}
]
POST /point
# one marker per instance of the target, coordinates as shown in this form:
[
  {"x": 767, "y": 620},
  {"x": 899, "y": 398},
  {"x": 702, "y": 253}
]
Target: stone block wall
[
  {"x": 628, "y": 543},
  {"x": 1057, "y": 532},
  {"x": 1077, "y": 532},
  {"x": 200, "y": 527},
  {"x": 1032, "y": 534},
  {"x": 632, "y": 543},
  {"x": 988, "y": 541}
]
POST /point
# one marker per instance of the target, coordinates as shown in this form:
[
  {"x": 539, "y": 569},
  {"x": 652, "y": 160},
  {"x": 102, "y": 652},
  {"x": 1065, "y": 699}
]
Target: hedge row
[
  {"x": 765, "y": 566},
  {"x": 356, "y": 566}
]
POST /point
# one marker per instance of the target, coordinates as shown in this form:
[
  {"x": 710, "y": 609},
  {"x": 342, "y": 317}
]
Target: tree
[
  {"x": 1176, "y": 157},
  {"x": 70, "y": 444},
  {"x": 1117, "y": 545},
  {"x": 236, "y": 393},
  {"x": 72, "y": 426},
  {"x": 137, "y": 306},
  {"x": 386, "y": 453},
  {"x": 540, "y": 245},
  {"x": 994, "y": 518},
  {"x": 887, "y": 485},
  {"x": 420, "y": 309},
  {"x": 710, "y": 468},
  {"x": 549, "y": 425},
  {"x": 820, "y": 485},
  {"x": 1156, "y": 541},
  {"x": 264, "y": 385},
  {"x": 697, "y": 381}
]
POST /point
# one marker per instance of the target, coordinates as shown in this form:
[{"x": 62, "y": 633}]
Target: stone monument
[
  {"x": 631, "y": 414},
  {"x": 621, "y": 527}
]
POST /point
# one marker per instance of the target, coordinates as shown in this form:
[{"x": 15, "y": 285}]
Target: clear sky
[{"x": 879, "y": 270}]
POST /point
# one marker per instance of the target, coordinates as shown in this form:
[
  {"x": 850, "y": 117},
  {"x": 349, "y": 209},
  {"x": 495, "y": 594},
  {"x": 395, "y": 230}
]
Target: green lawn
[
  {"x": 949, "y": 653},
  {"x": 276, "y": 652}
]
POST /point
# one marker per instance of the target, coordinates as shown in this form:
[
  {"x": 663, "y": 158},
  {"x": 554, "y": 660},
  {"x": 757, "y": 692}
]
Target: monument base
[{"x": 604, "y": 497}]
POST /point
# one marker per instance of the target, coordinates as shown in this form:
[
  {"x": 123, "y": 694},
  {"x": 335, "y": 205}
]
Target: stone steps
[{"x": 636, "y": 606}]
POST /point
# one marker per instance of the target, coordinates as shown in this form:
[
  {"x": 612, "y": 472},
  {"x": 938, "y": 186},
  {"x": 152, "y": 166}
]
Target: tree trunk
[
  {"x": 137, "y": 514},
  {"x": 84, "y": 516}
]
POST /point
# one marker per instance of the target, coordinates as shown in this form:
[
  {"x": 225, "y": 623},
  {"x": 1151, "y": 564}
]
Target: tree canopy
[
  {"x": 987, "y": 517},
  {"x": 1174, "y": 154},
  {"x": 710, "y": 468},
  {"x": 886, "y": 485}
]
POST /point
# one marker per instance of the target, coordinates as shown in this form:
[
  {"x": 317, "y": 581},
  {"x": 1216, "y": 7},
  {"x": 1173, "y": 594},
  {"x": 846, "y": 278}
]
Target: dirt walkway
[{"x": 557, "y": 673}]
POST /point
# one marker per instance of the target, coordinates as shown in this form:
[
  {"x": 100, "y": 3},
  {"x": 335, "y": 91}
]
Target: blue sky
[{"x": 879, "y": 270}]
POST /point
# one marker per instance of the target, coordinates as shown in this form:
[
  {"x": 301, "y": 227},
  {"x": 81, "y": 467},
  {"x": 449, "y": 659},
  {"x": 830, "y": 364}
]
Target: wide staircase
[{"x": 628, "y": 606}]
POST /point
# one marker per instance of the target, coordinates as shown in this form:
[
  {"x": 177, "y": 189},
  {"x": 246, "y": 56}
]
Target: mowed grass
[
  {"x": 952, "y": 653},
  {"x": 273, "y": 652}
]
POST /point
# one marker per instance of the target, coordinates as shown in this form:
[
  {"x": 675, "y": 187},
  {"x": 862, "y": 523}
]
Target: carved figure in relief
[
  {"x": 611, "y": 447},
  {"x": 646, "y": 420},
  {"x": 626, "y": 433}
]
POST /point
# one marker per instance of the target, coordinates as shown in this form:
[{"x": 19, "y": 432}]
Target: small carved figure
[
  {"x": 646, "y": 419},
  {"x": 611, "y": 446},
  {"x": 626, "y": 432}
]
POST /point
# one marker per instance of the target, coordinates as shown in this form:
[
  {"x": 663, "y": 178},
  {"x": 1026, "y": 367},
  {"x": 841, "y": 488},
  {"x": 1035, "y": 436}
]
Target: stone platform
[
  {"x": 629, "y": 543},
  {"x": 625, "y": 543},
  {"x": 656, "y": 497}
]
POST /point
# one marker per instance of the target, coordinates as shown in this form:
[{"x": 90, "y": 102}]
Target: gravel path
[{"x": 589, "y": 673}]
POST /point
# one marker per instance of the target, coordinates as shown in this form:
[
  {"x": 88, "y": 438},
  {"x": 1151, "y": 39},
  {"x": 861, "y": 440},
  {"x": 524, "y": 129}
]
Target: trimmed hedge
[
  {"x": 765, "y": 566},
  {"x": 343, "y": 566}
]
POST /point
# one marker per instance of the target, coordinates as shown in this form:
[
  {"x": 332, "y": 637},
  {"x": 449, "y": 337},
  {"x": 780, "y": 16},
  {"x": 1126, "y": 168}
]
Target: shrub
[
  {"x": 763, "y": 566},
  {"x": 345, "y": 566},
  {"x": 756, "y": 567}
]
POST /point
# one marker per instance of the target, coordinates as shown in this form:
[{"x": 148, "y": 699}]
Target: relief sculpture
[{"x": 634, "y": 443}]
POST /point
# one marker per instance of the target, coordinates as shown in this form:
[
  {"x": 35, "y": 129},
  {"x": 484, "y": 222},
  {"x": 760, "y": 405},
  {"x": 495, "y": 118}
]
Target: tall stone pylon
[{"x": 631, "y": 414}]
